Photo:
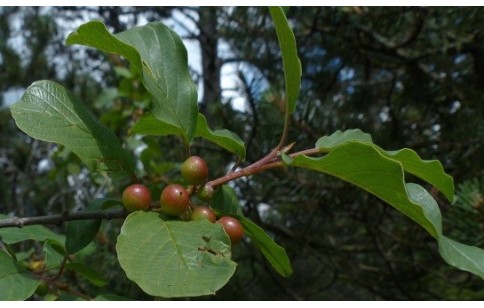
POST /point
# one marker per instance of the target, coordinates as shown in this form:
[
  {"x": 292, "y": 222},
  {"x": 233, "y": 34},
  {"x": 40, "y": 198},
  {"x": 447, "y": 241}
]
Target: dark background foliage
[{"x": 410, "y": 76}]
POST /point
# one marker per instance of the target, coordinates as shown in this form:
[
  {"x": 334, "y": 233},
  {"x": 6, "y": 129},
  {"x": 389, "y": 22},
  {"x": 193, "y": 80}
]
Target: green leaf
[
  {"x": 327, "y": 143},
  {"x": 87, "y": 272},
  {"x": 81, "y": 232},
  {"x": 225, "y": 201},
  {"x": 290, "y": 59},
  {"x": 49, "y": 112},
  {"x": 160, "y": 54},
  {"x": 53, "y": 254},
  {"x": 112, "y": 297},
  {"x": 221, "y": 137},
  {"x": 174, "y": 258},
  {"x": 363, "y": 165},
  {"x": 275, "y": 254},
  {"x": 148, "y": 124},
  {"x": 95, "y": 34},
  {"x": 382, "y": 174},
  {"x": 12, "y": 235},
  {"x": 464, "y": 257},
  {"x": 430, "y": 171},
  {"x": 15, "y": 283}
]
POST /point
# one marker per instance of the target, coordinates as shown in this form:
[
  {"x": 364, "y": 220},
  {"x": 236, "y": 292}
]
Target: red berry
[
  {"x": 174, "y": 200},
  {"x": 203, "y": 212},
  {"x": 233, "y": 228},
  {"x": 194, "y": 170},
  {"x": 136, "y": 197}
]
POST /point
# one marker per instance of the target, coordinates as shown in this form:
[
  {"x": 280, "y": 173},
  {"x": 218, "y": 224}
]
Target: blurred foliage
[{"x": 410, "y": 76}]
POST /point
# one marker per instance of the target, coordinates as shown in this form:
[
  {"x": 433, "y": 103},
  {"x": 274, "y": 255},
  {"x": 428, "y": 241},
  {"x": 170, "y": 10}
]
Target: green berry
[{"x": 194, "y": 170}]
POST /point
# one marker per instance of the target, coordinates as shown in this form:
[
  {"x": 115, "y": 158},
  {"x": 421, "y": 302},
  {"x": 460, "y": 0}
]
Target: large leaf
[
  {"x": 430, "y": 171},
  {"x": 160, "y": 53},
  {"x": 174, "y": 258},
  {"x": 462, "y": 256},
  {"x": 275, "y": 254},
  {"x": 47, "y": 111},
  {"x": 222, "y": 137},
  {"x": 53, "y": 254},
  {"x": 12, "y": 235},
  {"x": 148, "y": 124},
  {"x": 327, "y": 143},
  {"x": 367, "y": 166},
  {"x": 363, "y": 165},
  {"x": 290, "y": 59},
  {"x": 15, "y": 283}
]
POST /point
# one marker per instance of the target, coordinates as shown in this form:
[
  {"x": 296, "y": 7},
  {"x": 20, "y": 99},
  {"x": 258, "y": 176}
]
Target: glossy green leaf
[
  {"x": 430, "y": 171},
  {"x": 378, "y": 172},
  {"x": 462, "y": 256},
  {"x": 15, "y": 283},
  {"x": 162, "y": 57},
  {"x": 221, "y": 137},
  {"x": 87, "y": 272},
  {"x": 174, "y": 258},
  {"x": 47, "y": 111},
  {"x": 13, "y": 235},
  {"x": 290, "y": 59},
  {"x": 363, "y": 165},
  {"x": 275, "y": 254},
  {"x": 225, "y": 201},
  {"x": 327, "y": 143},
  {"x": 148, "y": 124}
]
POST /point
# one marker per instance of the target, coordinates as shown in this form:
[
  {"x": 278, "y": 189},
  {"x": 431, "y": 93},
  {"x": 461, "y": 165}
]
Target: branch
[{"x": 61, "y": 218}]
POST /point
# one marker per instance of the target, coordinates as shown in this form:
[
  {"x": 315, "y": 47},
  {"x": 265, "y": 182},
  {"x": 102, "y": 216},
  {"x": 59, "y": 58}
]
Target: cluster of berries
[{"x": 175, "y": 199}]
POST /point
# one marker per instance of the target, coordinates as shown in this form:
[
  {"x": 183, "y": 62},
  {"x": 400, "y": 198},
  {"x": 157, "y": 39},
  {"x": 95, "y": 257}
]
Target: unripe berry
[
  {"x": 174, "y": 200},
  {"x": 233, "y": 228},
  {"x": 203, "y": 212},
  {"x": 136, "y": 197},
  {"x": 194, "y": 170},
  {"x": 205, "y": 193}
]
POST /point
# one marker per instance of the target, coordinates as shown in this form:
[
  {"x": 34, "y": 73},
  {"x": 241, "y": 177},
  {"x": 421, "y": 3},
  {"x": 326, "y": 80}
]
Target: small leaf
[
  {"x": 112, "y": 297},
  {"x": 327, "y": 143},
  {"x": 87, "y": 272},
  {"x": 53, "y": 253},
  {"x": 15, "y": 283},
  {"x": 225, "y": 201},
  {"x": 81, "y": 232},
  {"x": 49, "y": 112},
  {"x": 174, "y": 258},
  {"x": 95, "y": 34},
  {"x": 290, "y": 59},
  {"x": 222, "y": 137},
  {"x": 12, "y": 235},
  {"x": 275, "y": 254}
]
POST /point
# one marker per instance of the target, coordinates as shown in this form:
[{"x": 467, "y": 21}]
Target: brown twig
[{"x": 61, "y": 218}]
